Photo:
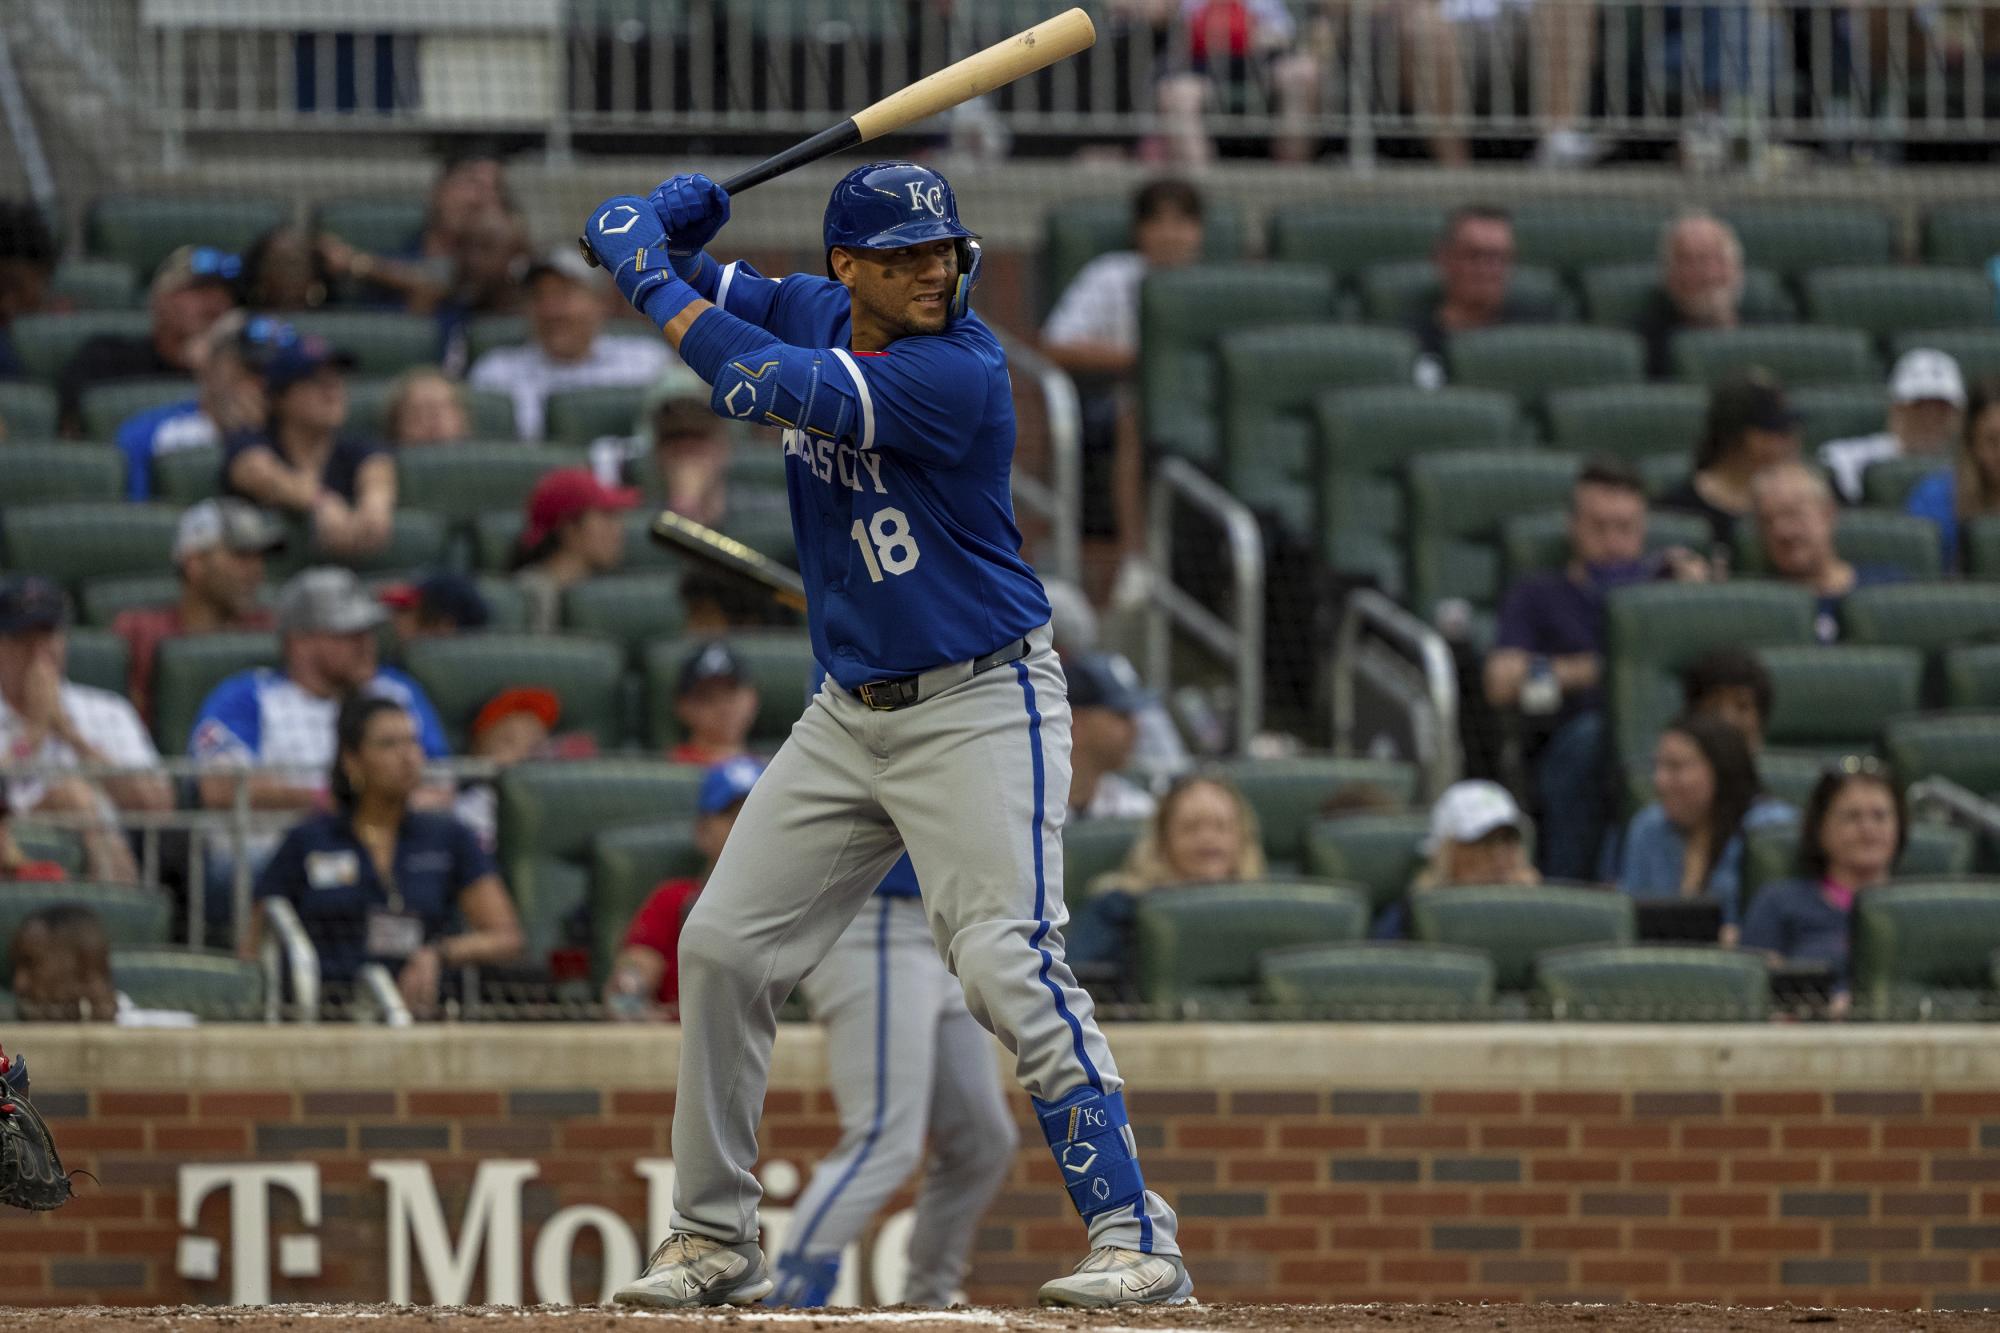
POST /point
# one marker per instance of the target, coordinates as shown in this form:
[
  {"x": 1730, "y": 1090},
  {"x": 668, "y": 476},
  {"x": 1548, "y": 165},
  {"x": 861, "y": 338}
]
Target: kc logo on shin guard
[{"x": 1089, "y": 1118}]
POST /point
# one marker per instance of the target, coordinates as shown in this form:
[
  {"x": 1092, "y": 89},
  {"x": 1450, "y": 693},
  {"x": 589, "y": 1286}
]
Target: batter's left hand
[
  {"x": 693, "y": 209},
  {"x": 625, "y": 235}
]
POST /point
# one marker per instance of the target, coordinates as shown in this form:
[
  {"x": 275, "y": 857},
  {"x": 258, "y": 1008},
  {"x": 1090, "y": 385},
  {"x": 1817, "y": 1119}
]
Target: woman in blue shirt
[
  {"x": 378, "y": 882},
  {"x": 1689, "y": 842},
  {"x": 1970, "y": 488}
]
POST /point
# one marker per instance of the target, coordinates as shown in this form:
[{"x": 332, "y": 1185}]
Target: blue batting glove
[
  {"x": 626, "y": 236},
  {"x": 692, "y": 208}
]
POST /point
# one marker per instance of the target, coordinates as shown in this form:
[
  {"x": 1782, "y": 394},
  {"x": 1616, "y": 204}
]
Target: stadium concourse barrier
[{"x": 1747, "y": 1164}]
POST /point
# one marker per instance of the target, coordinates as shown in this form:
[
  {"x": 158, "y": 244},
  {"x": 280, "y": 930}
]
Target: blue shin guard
[{"x": 1092, "y": 1142}]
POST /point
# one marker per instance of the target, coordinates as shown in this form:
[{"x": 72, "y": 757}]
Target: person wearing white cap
[
  {"x": 1970, "y": 488},
  {"x": 1926, "y": 399},
  {"x": 1478, "y": 836}
]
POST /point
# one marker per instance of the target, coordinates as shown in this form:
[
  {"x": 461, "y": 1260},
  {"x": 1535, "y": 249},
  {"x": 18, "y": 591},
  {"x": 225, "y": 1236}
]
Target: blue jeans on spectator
[{"x": 1570, "y": 785}]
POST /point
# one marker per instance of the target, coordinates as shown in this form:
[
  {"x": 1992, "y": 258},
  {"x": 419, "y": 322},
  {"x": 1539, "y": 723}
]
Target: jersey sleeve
[
  {"x": 469, "y": 860},
  {"x": 229, "y": 727},
  {"x": 925, "y": 398},
  {"x": 742, "y": 291}
]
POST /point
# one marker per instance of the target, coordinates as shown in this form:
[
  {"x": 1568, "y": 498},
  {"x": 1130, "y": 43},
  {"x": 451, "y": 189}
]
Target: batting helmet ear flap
[{"x": 968, "y": 277}]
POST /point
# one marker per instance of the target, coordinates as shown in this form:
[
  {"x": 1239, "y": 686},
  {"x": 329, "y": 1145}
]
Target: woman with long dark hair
[
  {"x": 375, "y": 881},
  {"x": 1689, "y": 842}
]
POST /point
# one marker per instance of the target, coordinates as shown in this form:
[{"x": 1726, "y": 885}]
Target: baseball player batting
[{"x": 942, "y": 727}]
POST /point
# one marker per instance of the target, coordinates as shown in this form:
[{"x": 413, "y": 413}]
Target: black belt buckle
[{"x": 887, "y": 695}]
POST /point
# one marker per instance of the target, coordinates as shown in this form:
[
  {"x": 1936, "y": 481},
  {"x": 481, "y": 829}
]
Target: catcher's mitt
[{"x": 31, "y": 1174}]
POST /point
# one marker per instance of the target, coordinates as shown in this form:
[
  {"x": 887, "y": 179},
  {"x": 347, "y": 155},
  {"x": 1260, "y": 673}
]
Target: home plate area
[{"x": 1257, "y": 1318}]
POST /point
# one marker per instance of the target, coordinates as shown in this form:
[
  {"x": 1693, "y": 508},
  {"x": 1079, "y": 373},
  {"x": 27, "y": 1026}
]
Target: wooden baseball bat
[
  {"x": 997, "y": 66},
  {"x": 730, "y": 556}
]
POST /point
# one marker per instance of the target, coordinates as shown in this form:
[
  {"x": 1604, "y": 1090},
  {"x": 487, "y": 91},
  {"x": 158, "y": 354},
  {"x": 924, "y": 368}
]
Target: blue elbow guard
[
  {"x": 795, "y": 387},
  {"x": 1092, "y": 1142}
]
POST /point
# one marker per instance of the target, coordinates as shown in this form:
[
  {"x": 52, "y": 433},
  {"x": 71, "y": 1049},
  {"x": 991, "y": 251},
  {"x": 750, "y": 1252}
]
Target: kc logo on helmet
[
  {"x": 630, "y": 219},
  {"x": 926, "y": 197}
]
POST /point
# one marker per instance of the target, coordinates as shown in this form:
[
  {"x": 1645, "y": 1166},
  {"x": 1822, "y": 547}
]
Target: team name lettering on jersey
[{"x": 836, "y": 463}]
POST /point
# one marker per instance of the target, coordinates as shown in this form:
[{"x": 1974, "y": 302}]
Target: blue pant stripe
[
  {"x": 802, "y": 1246},
  {"x": 1041, "y": 882}
]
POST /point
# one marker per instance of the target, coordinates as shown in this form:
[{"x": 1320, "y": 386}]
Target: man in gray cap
[{"x": 219, "y": 550}]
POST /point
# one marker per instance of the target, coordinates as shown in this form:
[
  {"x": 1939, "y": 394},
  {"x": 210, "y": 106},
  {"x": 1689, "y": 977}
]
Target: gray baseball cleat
[
  {"x": 690, "y": 1269},
  {"x": 1111, "y": 1276}
]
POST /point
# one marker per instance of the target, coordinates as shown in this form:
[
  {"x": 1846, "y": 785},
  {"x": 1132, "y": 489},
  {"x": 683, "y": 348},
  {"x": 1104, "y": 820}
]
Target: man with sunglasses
[{"x": 194, "y": 287}]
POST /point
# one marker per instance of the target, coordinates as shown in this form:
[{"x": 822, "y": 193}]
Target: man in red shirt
[
  {"x": 715, "y": 701},
  {"x": 646, "y": 977},
  {"x": 220, "y": 549}
]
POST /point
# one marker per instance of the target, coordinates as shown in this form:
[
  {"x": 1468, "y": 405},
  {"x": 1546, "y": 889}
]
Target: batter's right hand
[{"x": 693, "y": 209}]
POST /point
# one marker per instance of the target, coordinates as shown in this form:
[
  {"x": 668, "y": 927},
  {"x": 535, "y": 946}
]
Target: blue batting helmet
[{"x": 888, "y": 205}]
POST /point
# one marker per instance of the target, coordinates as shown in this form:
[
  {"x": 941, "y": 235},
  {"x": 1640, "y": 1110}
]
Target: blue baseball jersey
[{"x": 905, "y": 525}]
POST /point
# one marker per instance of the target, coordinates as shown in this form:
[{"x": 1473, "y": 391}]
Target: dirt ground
[{"x": 1185, "y": 1319}]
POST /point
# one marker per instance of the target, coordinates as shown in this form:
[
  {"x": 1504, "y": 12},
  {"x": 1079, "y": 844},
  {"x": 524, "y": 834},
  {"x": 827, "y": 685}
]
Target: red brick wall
[{"x": 1888, "y": 1197}]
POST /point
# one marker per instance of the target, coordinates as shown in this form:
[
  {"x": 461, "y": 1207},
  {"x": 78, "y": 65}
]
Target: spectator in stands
[
  {"x": 16, "y": 866},
  {"x": 645, "y": 979},
  {"x": 436, "y": 606},
  {"x": 219, "y": 553},
  {"x": 1243, "y": 52},
  {"x": 573, "y": 533},
  {"x": 1701, "y": 287},
  {"x": 1475, "y": 267},
  {"x": 1557, "y": 39},
  {"x": 486, "y": 279},
  {"x": 377, "y": 880},
  {"x": 1478, "y": 836},
  {"x": 687, "y": 449},
  {"x": 1970, "y": 488},
  {"x": 194, "y": 287},
  {"x": 512, "y": 727},
  {"x": 285, "y": 272},
  {"x": 1093, "y": 333},
  {"x": 1796, "y": 521},
  {"x": 1203, "y": 831},
  {"x": 1689, "y": 842},
  {"x": 1853, "y": 830},
  {"x": 305, "y": 461},
  {"x": 470, "y": 189},
  {"x": 566, "y": 312},
  {"x": 425, "y": 408},
  {"x": 1750, "y": 427},
  {"x": 1105, "y": 702},
  {"x": 47, "y": 722},
  {"x": 1926, "y": 413},
  {"x": 715, "y": 702},
  {"x": 229, "y": 399},
  {"x": 27, "y": 263},
  {"x": 1548, "y": 657},
  {"x": 1732, "y": 686},
  {"x": 60, "y": 961}
]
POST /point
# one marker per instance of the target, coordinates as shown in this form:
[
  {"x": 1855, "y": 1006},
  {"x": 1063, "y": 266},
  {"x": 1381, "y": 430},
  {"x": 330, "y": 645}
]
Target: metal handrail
[
  {"x": 286, "y": 953},
  {"x": 376, "y": 998},
  {"x": 1169, "y": 607},
  {"x": 1958, "y": 804},
  {"x": 1060, "y": 498},
  {"x": 27, "y": 137},
  {"x": 1429, "y": 654}
]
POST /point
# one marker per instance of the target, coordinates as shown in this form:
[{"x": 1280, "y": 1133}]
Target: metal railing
[
  {"x": 1409, "y": 668},
  {"x": 290, "y": 963},
  {"x": 1238, "y": 642},
  {"x": 1057, "y": 497}
]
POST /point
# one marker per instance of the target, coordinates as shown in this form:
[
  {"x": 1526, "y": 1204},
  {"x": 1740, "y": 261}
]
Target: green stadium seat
[
  {"x": 43, "y": 473},
  {"x": 1979, "y": 547},
  {"x": 143, "y": 229},
  {"x": 1083, "y": 229},
  {"x": 190, "y": 666},
  {"x": 418, "y": 539},
  {"x": 1654, "y": 630},
  {"x": 1962, "y": 233},
  {"x": 1515, "y": 923},
  {"x": 495, "y": 536},
  {"x": 1795, "y": 238},
  {"x": 1654, "y": 983},
  {"x": 1902, "y": 542},
  {"x": 628, "y": 609},
  {"x": 1457, "y": 502},
  {"x": 382, "y": 342},
  {"x": 1839, "y": 411},
  {"x": 1924, "y": 948},
  {"x": 779, "y": 661},
  {"x": 1977, "y": 351},
  {"x": 462, "y": 672},
  {"x": 1530, "y": 543},
  {"x": 1616, "y": 294},
  {"x": 1270, "y": 380},
  {"x": 1094, "y": 847},
  {"x": 1660, "y": 473},
  {"x": 1572, "y": 235},
  {"x": 1290, "y": 795},
  {"x": 79, "y": 540},
  {"x": 131, "y": 914},
  {"x": 483, "y": 333},
  {"x": 1960, "y": 746},
  {"x": 491, "y": 413},
  {"x": 1199, "y": 945},
  {"x": 1345, "y": 238},
  {"x": 1627, "y": 420},
  {"x": 95, "y": 284},
  {"x": 214, "y": 986},
  {"x": 1972, "y": 676},
  {"x": 1886, "y": 301},
  {"x": 45, "y": 343},
  {"x": 767, "y": 531},
  {"x": 187, "y": 476},
  {"x": 1379, "y": 981},
  {"x": 1771, "y": 853},
  {"x": 1183, "y": 315},
  {"x": 375, "y": 224},
  {"x": 1790, "y": 775},
  {"x": 1532, "y": 360},
  {"x": 1840, "y": 694},
  {"x": 105, "y": 406},
  {"x": 626, "y": 865},
  {"x": 1380, "y": 852},
  {"x": 461, "y": 481},
  {"x": 575, "y": 417},
  {"x": 1798, "y": 354},
  {"x": 550, "y": 817},
  {"x": 1888, "y": 484},
  {"x": 44, "y": 842},
  {"x": 1930, "y": 616},
  {"x": 102, "y": 599},
  {"x": 28, "y": 410},
  {"x": 1398, "y": 292},
  {"x": 100, "y": 658}
]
